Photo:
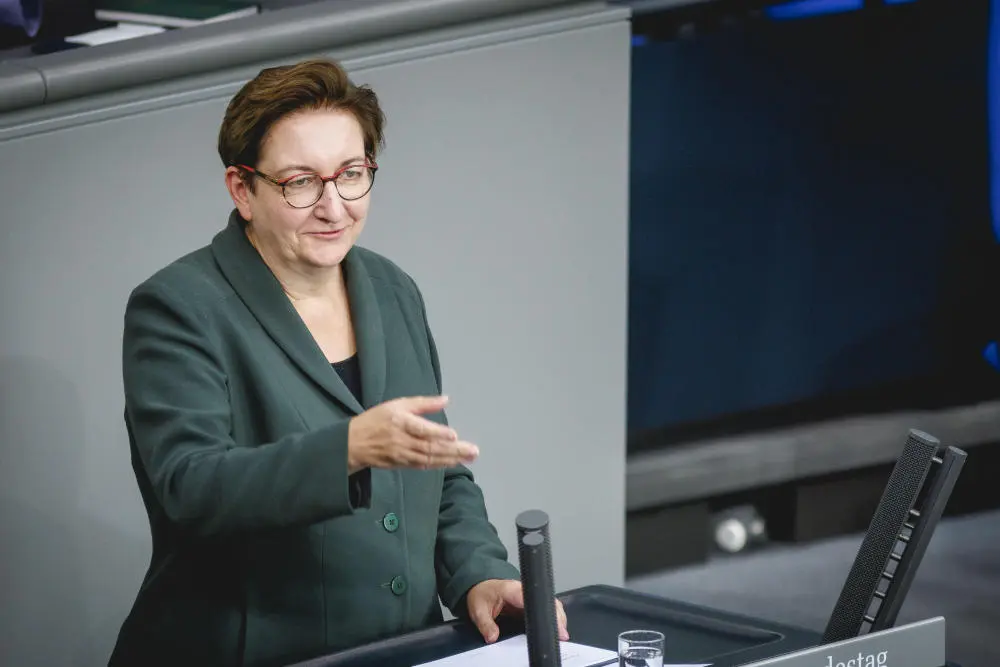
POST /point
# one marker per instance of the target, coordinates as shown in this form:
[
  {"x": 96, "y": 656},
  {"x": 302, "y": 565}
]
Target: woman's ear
[{"x": 239, "y": 191}]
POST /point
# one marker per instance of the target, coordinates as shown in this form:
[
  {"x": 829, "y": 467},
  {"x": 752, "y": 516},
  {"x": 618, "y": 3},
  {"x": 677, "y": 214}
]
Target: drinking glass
[{"x": 640, "y": 648}]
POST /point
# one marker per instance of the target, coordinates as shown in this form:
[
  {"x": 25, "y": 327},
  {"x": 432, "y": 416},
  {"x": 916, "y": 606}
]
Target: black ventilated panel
[
  {"x": 923, "y": 520},
  {"x": 877, "y": 550}
]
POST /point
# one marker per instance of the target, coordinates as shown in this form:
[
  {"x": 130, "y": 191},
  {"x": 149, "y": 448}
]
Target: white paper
[
  {"x": 117, "y": 33},
  {"x": 513, "y": 652}
]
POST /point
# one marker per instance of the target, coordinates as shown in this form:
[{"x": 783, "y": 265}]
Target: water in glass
[{"x": 639, "y": 656}]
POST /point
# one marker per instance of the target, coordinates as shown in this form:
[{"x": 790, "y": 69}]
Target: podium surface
[{"x": 596, "y": 615}]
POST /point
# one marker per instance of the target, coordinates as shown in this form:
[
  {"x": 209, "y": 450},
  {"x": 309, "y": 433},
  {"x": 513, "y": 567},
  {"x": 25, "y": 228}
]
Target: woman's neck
[{"x": 300, "y": 283}]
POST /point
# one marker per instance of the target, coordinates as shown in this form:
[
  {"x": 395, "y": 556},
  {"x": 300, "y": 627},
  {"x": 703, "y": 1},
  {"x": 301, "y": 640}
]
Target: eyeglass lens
[{"x": 306, "y": 189}]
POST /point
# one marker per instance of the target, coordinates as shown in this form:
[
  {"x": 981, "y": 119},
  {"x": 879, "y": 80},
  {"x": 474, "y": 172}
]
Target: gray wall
[{"x": 522, "y": 259}]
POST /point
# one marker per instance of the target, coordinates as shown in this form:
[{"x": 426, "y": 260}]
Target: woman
[{"x": 304, "y": 491}]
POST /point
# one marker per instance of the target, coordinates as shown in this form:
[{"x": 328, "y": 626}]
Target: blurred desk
[{"x": 29, "y": 79}]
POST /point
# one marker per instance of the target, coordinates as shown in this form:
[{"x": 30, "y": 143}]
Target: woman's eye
[{"x": 300, "y": 182}]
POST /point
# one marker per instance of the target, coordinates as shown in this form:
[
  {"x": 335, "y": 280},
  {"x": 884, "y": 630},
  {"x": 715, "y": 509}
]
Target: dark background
[{"x": 811, "y": 233}]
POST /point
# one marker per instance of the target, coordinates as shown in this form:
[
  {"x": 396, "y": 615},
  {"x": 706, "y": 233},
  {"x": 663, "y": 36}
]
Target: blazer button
[
  {"x": 390, "y": 522},
  {"x": 398, "y": 585}
]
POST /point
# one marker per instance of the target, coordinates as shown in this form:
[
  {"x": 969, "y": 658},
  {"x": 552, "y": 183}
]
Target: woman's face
[{"x": 318, "y": 236}]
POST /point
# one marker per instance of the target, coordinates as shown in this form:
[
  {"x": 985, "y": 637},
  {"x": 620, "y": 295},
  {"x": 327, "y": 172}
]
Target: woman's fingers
[
  {"x": 424, "y": 429},
  {"x": 412, "y": 440},
  {"x": 440, "y": 453}
]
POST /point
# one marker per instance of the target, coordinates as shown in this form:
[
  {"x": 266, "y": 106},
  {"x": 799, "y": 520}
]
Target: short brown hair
[{"x": 277, "y": 92}]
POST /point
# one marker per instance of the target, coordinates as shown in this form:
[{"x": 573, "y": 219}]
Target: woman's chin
[{"x": 327, "y": 258}]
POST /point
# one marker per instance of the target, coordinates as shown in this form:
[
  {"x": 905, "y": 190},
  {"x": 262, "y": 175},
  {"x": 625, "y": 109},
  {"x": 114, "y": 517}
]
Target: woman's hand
[
  {"x": 488, "y": 599},
  {"x": 395, "y": 435}
]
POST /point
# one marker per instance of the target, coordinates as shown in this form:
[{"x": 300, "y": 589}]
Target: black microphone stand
[{"x": 535, "y": 555}]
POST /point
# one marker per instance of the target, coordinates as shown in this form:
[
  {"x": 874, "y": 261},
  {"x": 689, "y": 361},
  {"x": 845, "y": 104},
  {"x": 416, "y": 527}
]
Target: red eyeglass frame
[{"x": 369, "y": 164}]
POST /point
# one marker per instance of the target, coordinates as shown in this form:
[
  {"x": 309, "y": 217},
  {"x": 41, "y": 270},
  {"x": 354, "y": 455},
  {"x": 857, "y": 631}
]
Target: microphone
[{"x": 535, "y": 556}]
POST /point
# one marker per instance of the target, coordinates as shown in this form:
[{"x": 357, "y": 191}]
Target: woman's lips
[{"x": 329, "y": 234}]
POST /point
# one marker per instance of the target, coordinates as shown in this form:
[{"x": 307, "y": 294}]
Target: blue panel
[
  {"x": 804, "y": 8},
  {"x": 993, "y": 93},
  {"x": 992, "y": 355},
  {"x": 993, "y": 90}
]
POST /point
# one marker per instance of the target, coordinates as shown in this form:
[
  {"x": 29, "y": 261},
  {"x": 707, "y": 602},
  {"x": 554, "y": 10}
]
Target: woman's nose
[{"x": 331, "y": 202}]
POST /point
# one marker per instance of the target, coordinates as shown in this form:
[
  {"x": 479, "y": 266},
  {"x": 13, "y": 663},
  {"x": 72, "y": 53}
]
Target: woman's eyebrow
[
  {"x": 302, "y": 167},
  {"x": 296, "y": 168}
]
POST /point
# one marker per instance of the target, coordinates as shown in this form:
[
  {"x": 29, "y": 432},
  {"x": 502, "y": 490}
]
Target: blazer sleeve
[
  {"x": 468, "y": 549},
  {"x": 177, "y": 405}
]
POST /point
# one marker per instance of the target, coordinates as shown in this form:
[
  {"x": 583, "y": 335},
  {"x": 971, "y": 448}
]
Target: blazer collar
[{"x": 260, "y": 291}]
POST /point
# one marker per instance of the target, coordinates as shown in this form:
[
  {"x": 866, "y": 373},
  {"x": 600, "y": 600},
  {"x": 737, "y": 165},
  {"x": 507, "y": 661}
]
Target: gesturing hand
[
  {"x": 395, "y": 435},
  {"x": 488, "y": 599}
]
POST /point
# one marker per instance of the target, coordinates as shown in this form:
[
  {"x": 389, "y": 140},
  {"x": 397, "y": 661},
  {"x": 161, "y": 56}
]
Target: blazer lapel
[
  {"x": 368, "y": 330},
  {"x": 262, "y": 294}
]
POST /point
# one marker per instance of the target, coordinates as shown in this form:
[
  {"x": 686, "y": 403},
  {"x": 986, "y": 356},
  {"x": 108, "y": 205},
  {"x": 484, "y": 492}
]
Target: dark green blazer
[{"x": 238, "y": 432}]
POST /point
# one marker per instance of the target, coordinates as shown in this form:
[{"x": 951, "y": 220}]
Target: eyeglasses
[{"x": 305, "y": 189}]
